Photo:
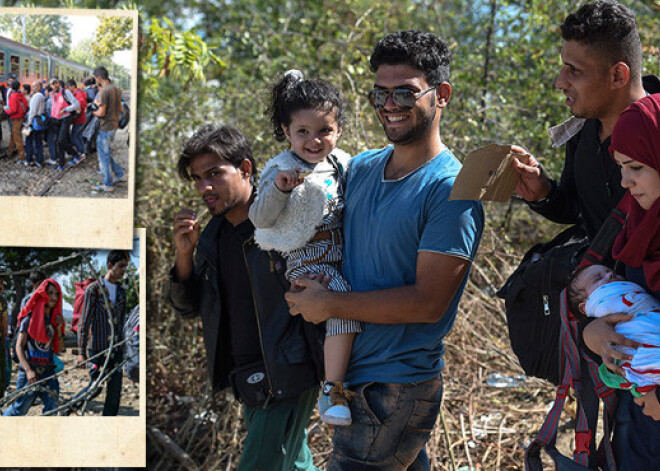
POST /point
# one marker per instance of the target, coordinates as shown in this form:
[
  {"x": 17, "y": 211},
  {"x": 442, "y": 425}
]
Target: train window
[
  {"x": 15, "y": 67},
  {"x": 26, "y": 67},
  {"x": 2, "y": 62},
  {"x": 37, "y": 68},
  {"x": 57, "y": 71}
]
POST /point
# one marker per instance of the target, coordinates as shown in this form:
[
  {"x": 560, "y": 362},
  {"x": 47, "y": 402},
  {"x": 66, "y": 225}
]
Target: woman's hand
[
  {"x": 649, "y": 403},
  {"x": 602, "y": 339}
]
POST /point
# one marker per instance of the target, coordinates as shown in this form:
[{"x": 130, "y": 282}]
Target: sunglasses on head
[{"x": 402, "y": 97}]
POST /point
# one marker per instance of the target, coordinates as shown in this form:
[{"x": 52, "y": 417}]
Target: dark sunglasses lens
[
  {"x": 377, "y": 98},
  {"x": 403, "y": 98}
]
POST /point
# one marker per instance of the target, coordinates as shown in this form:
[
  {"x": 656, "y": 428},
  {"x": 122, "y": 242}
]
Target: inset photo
[
  {"x": 67, "y": 118},
  {"x": 70, "y": 342}
]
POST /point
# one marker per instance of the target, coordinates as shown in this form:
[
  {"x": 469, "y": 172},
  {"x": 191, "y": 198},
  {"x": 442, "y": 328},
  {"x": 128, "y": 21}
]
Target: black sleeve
[
  {"x": 183, "y": 295},
  {"x": 561, "y": 205}
]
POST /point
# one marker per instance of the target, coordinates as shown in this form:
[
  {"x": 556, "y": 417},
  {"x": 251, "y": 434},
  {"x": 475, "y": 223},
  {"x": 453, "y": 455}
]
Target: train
[{"x": 27, "y": 64}]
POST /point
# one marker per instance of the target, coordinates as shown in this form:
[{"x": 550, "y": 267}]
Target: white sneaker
[{"x": 333, "y": 404}]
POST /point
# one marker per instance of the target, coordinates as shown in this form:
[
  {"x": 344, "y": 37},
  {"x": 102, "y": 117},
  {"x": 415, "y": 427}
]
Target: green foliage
[
  {"x": 82, "y": 53},
  {"x": 506, "y": 56},
  {"x": 170, "y": 53},
  {"x": 114, "y": 33},
  {"x": 48, "y": 32}
]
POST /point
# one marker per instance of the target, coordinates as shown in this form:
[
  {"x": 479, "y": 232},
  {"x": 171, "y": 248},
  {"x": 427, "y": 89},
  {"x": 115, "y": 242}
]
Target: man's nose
[
  {"x": 202, "y": 185},
  {"x": 560, "y": 81}
]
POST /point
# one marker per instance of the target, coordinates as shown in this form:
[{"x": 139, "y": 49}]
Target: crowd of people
[
  {"x": 66, "y": 117},
  {"x": 36, "y": 336},
  {"x": 376, "y": 240}
]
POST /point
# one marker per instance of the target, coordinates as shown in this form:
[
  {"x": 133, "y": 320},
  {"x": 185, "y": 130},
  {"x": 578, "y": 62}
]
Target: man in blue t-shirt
[{"x": 408, "y": 251}]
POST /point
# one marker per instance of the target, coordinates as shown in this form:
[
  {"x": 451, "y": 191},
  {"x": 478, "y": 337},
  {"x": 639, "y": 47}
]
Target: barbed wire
[
  {"x": 52, "y": 263},
  {"x": 101, "y": 377},
  {"x": 77, "y": 402}
]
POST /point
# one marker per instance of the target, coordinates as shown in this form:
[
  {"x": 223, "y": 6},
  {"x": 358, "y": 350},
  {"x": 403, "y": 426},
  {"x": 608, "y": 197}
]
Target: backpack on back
[
  {"x": 532, "y": 294},
  {"x": 124, "y": 115},
  {"x": 79, "y": 302},
  {"x": 531, "y": 299}
]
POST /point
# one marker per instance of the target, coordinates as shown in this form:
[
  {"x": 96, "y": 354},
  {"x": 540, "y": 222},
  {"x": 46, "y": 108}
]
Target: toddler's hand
[{"x": 287, "y": 180}]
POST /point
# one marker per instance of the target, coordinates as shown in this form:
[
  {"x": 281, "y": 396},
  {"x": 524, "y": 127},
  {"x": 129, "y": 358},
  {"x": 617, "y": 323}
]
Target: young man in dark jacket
[
  {"x": 269, "y": 358},
  {"x": 601, "y": 77}
]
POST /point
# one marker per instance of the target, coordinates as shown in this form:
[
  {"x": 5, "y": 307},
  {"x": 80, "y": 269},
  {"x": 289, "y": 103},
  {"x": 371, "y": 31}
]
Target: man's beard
[{"x": 417, "y": 132}]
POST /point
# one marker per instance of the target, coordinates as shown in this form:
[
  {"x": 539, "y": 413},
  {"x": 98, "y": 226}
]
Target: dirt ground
[
  {"x": 19, "y": 180},
  {"x": 75, "y": 379}
]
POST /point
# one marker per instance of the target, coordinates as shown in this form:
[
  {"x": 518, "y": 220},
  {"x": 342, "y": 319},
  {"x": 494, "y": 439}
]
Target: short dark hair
[
  {"x": 223, "y": 141},
  {"x": 293, "y": 93},
  {"x": 575, "y": 295},
  {"x": 89, "y": 81},
  {"x": 61, "y": 83},
  {"x": 423, "y": 51},
  {"x": 71, "y": 83},
  {"x": 27, "y": 88},
  {"x": 15, "y": 85},
  {"x": 610, "y": 29},
  {"x": 36, "y": 277},
  {"x": 102, "y": 72},
  {"x": 49, "y": 89},
  {"x": 116, "y": 256}
]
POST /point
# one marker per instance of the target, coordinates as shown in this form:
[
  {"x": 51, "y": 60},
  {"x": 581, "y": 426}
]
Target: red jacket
[
  {"x": 18, "y": 106},
  {"x": 81, "y": 96}
]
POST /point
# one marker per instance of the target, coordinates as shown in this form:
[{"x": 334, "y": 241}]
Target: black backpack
[
  {"x": 532, "y": 294},
  {"x": 531, "y": 299},
  {"x": 124, "y": 115}
]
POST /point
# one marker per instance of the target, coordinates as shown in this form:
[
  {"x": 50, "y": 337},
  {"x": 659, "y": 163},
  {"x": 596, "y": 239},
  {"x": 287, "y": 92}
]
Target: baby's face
[{"x": 594, "y": 276}]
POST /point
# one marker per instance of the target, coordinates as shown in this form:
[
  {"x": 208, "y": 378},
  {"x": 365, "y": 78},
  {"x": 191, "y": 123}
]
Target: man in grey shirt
[{"x": 34, "y": 144}]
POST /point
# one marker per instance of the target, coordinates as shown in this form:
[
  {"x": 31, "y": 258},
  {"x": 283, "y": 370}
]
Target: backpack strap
[
  {"x": 601, "y": 245},
  {"x": 571, "y": 356}
]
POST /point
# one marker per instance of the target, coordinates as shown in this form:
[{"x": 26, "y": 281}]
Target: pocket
[
  {"x": 379, "y": 402},
  {"x": 417, "y": 431},
  {"x": 250, "y": 383}
]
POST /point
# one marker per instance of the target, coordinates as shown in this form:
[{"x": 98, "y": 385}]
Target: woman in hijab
[{"x": 636, "y": 148}]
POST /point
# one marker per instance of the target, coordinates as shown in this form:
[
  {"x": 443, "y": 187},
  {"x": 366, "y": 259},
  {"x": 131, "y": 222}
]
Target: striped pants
[{"x": 323, "y": 256}]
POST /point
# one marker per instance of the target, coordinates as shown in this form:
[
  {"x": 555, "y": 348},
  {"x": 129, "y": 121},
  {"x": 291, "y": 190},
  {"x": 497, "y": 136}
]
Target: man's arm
[
  {"x": 438, "y": 277},
  {"x": 20, "y": 352},
  {"x": 87, "y": 317},
  {"x": 182, "y": 287},
  {"x": 100, "y": 112}
]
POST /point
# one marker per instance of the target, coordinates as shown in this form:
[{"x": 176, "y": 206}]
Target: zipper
[{"x": 256, "y": 314}]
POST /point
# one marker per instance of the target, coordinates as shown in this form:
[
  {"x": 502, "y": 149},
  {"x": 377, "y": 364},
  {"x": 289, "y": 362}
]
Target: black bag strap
[{"x": 601, "y": 246}]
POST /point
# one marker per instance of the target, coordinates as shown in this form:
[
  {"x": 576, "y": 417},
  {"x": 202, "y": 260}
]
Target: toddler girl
[{"x": 298, "y": 211}]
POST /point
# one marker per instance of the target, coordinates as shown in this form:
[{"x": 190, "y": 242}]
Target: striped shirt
[{"x": 95, "y": 331}]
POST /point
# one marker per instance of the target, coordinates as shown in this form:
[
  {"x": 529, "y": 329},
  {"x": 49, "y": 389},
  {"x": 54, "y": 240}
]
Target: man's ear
[
  {"x": 443, "y": 94},
  {"x": 619, "y": 75},
  {"x": 246, "y": 167}
]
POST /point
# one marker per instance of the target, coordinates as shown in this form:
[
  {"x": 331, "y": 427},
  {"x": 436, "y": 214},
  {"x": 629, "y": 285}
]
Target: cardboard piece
[{"x": 487, "y": 175}]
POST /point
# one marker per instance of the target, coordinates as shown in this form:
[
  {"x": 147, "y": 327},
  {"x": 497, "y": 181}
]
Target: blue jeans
[
  {"x": 76, "y": 137},
  {"x": 53, "y": 148},
  {"x": 391, "y": 425},
  {"x": 34, "y": 147},
  {"x": 106, "y": 162},
  {"x": 23, "y": 403}
]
